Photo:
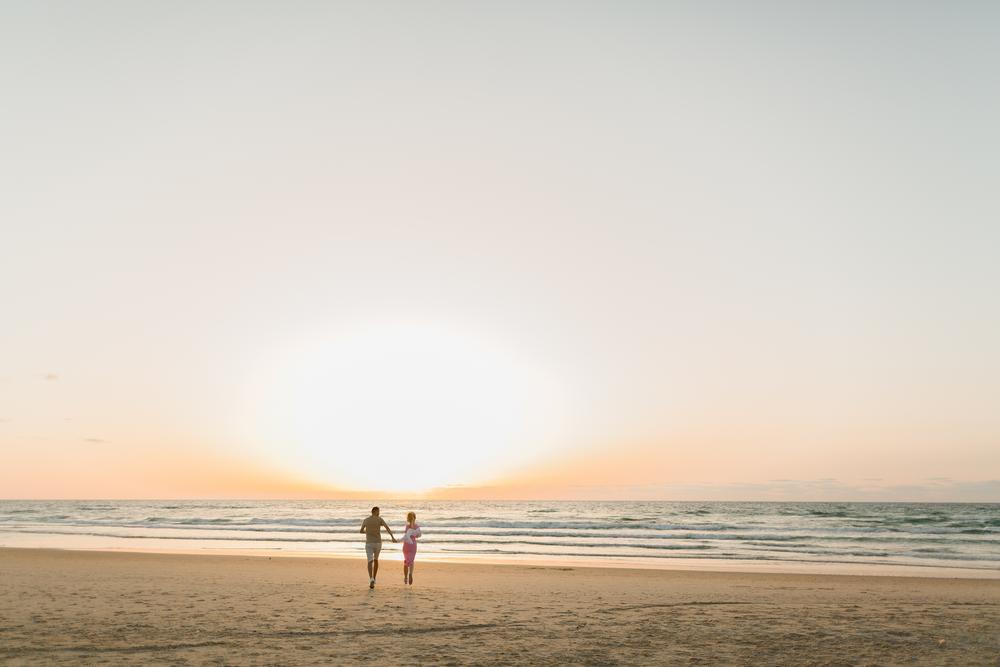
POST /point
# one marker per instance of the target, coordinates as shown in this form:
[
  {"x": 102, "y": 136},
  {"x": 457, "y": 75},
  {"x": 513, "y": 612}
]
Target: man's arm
[
  {"x": 362, "y": 527},
  {"x": 389, "y": 529}
]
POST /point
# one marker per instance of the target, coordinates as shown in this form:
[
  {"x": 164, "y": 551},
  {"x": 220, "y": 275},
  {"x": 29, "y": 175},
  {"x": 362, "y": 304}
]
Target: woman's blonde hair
[{"x": 411, "y": 517}]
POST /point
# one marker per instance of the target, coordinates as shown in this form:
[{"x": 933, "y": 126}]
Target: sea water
[{"x": 939, "y": 539}]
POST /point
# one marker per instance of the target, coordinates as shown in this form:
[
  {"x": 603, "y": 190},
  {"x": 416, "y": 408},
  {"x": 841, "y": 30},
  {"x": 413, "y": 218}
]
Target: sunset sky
[{"x": 512, "y": 250}]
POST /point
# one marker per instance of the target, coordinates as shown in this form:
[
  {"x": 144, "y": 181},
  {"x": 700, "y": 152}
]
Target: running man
[{"x": 372, "y": 528}]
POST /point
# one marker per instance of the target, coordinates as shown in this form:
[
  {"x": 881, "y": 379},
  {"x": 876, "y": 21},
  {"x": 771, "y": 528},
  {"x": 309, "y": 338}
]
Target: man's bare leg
[{"x": 375, "y": 569}]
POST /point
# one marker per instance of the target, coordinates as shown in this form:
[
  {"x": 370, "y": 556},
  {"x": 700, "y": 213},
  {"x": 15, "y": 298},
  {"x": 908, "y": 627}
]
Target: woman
[{"x": 410, "y": 536}]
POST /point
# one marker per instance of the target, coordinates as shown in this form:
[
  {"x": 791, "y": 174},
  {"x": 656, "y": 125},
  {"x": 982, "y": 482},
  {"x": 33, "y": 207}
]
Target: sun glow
[{"x": 406, "y": 409}]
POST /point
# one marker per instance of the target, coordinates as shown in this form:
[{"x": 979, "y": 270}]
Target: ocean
[{"x": 906, "y": 538}]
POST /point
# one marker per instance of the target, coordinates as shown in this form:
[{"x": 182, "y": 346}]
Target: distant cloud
[
  {"x": 939, "y": 489},
  {"x": 97, "y": 441},
  {"x": 804, "y": 490}
]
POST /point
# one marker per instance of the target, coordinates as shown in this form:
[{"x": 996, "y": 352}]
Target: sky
[{"x": 500, "y": 250}]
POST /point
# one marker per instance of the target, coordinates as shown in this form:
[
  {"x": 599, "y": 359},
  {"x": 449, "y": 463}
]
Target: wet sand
[{"x": 73, "y": 607}]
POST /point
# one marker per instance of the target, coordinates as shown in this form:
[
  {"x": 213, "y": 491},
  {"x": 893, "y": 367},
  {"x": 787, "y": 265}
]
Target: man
[{"x": 372, "y": 528}]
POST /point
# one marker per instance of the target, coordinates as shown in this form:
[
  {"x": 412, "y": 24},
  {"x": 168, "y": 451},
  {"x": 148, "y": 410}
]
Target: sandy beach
[{"x": 72, "y": 607}]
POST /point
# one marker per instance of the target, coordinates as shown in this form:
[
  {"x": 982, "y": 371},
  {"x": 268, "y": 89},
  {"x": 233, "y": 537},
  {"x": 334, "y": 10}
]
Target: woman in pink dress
[{"x": 410, "y": 536}]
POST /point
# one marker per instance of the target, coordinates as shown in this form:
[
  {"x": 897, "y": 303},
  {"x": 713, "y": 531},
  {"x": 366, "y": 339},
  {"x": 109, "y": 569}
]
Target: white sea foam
[{"x": 938, "y": 535}]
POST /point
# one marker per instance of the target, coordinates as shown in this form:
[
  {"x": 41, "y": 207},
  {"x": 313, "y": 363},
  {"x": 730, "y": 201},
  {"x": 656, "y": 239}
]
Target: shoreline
[
  {"x": 391, "y": 554},
  {"x": 921, "y": 540},
  {"x": 68, "y": 607},
  {"x": 391, "y": 562}
]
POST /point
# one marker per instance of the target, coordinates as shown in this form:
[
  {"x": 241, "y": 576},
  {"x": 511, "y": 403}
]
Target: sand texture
[{"x": 66, "y": 607}]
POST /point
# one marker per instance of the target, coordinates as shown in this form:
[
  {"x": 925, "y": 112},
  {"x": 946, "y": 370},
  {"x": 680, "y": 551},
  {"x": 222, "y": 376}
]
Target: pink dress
[{"x": 410, "y": 544}]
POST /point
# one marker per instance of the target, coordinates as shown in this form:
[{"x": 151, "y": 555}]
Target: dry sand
[{"x": 73, "y": 607}]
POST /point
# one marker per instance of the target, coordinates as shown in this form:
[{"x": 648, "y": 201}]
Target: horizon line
[{"x": 513, "y": 500}]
